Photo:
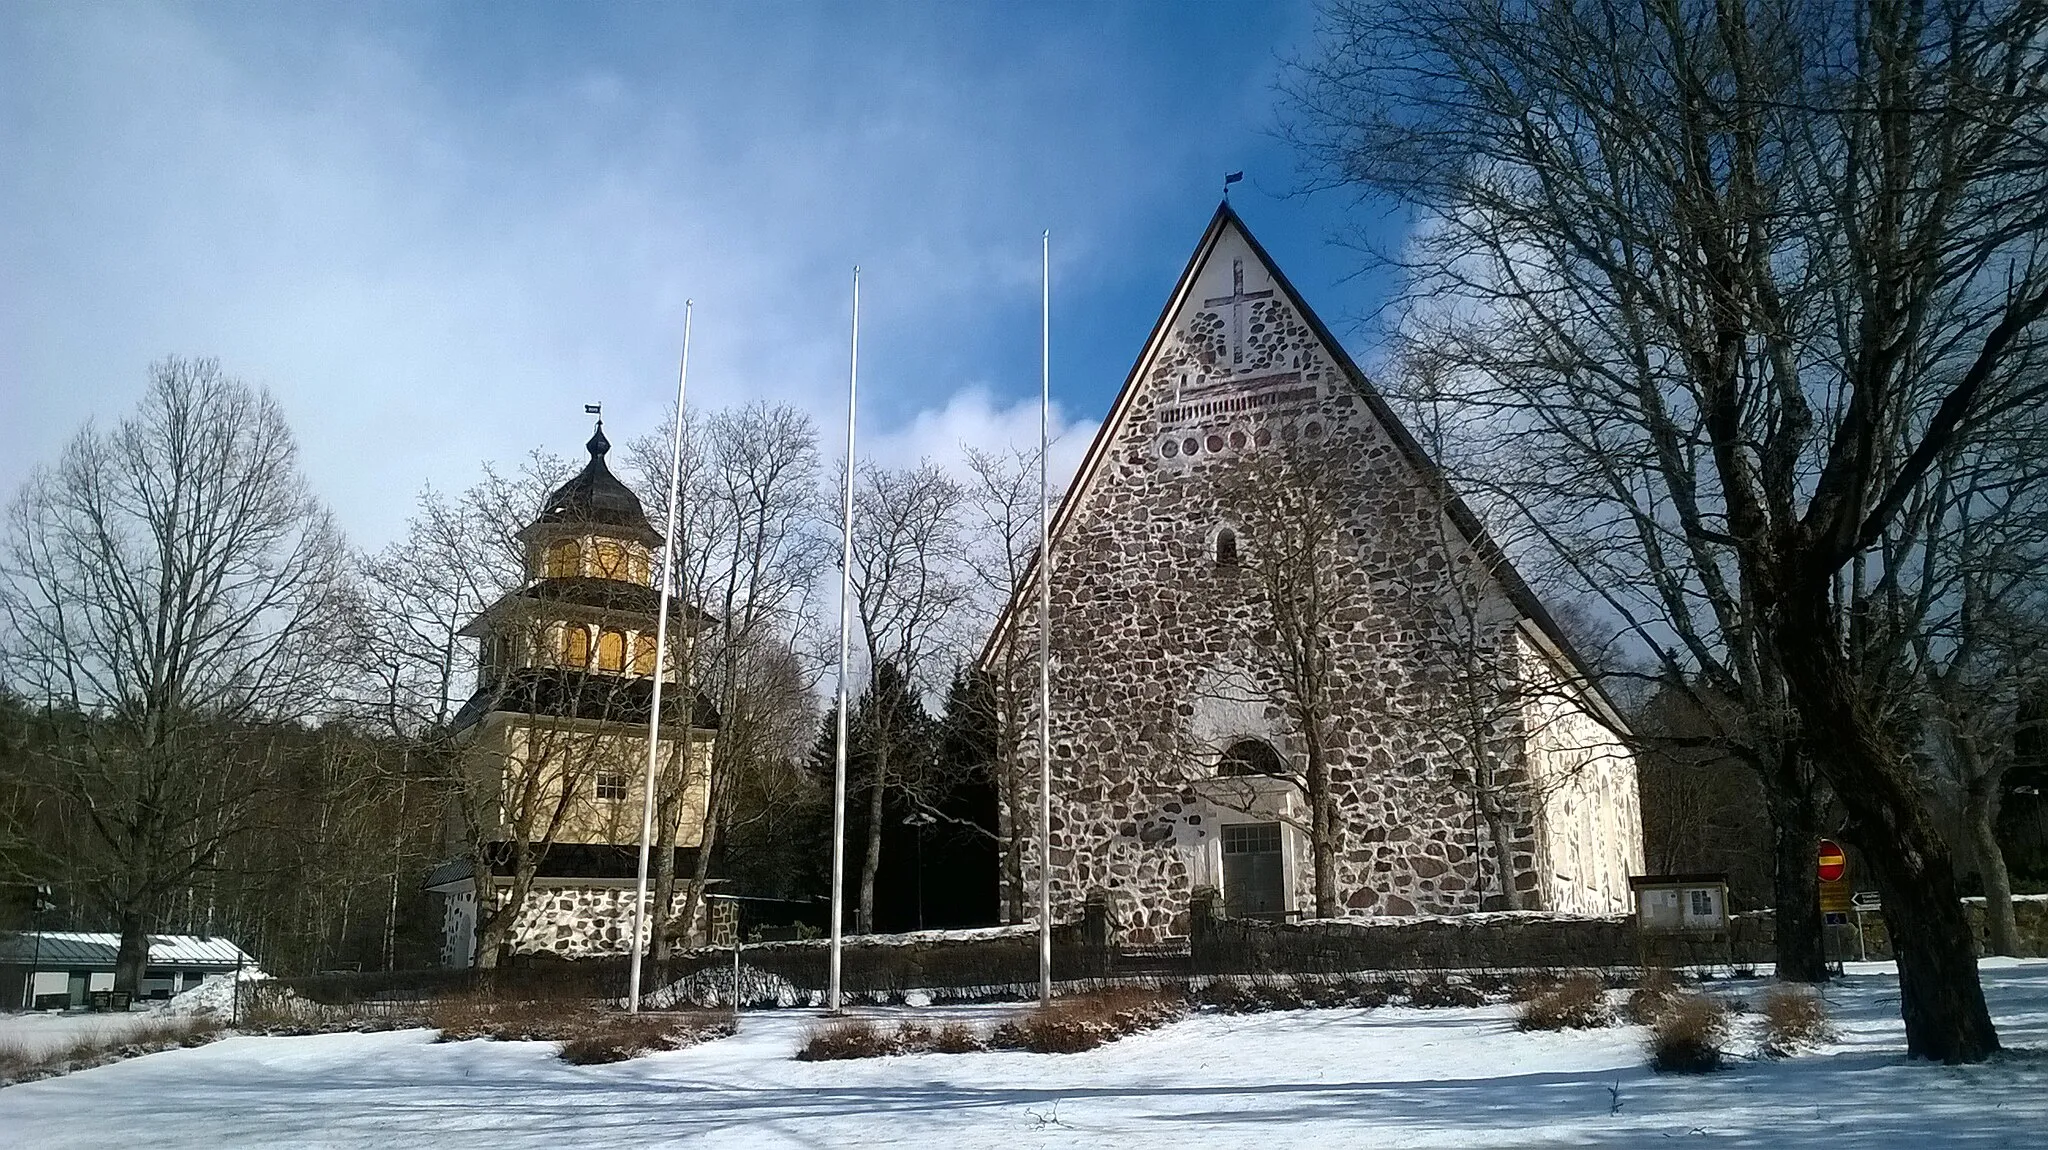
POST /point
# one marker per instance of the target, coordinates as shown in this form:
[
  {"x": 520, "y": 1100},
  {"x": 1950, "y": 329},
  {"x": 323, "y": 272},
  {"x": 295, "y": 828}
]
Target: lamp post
[{"x": 919, "y": 820}]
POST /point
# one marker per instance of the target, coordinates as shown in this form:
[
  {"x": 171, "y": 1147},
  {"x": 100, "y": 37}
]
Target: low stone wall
[
  {"x": 1495, "y": 941},
  {"x": 581, "y": 921}
]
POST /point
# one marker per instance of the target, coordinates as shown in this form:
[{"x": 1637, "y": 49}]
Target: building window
[
  {"x": 611, "y": 787},
  {"x": 611, "y": 561},
  {"x": 636, "y": 566},
  {"x": 1248, "y": 757},
  {"x": 565, "y": 560},
  {"x": 643, "y": 653},
  {"x": 1702, "y": 903},
  {"x": 1226, "y": 548},
  {"x": 611, "y": 650},
  {"x": 576, "y": 646}
]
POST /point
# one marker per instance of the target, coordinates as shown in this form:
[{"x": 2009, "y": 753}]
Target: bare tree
[
  {"x": 173, "y": 580},
  {"x": 1000, "y": 515},
  {"x": 1795, "y": 246},
  {"x": 907, "y": 594},
  {"x": 749, "y": 554}
]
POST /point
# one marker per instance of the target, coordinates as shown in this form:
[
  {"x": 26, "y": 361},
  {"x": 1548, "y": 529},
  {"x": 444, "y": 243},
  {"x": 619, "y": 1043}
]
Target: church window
[
  {"x": 611, "y": 650},
  {"x": 643, "y": 653},
  {"x": 1262, "y": 436},
  {"x": 1188, "y": 446},
  {"x": 565, "y": 560},
  {"x": 1169, "y": 449},
  {"x": 1314, "y": 430},
  {"x": 576, "y": 646},
  {"x": 1226, "y": 548},
  {"x": 611, "y": 561},
  {"x": 1248, "y": 757},
  {"x": 1237, "y": 441},
  {"x": 611, "y": 787},
  {"x": 636, "y": 566},
  {"x": 1215, "y": 443}
]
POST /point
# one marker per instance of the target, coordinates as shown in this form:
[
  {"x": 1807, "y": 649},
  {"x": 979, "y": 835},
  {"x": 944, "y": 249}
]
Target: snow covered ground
[{"x": 1390, "y": 1077}]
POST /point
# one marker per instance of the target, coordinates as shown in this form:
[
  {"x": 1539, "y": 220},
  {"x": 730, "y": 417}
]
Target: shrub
[
  {"x": 1575, "y": 1003},
  {"x": 957, "y": 1038},
  {"x": 609, "y": 1037},
  {"x": 1687, "y": 1036},
  {"x": 847, "y": 1038},
  {"x": 1230, "y": 995},
  {"x": 1649, "y": 1000},
  {"x": 1438, "y": 991},
  {"x": 1085, "y": 1021},
  {"x": 1793, "y": 1016}
]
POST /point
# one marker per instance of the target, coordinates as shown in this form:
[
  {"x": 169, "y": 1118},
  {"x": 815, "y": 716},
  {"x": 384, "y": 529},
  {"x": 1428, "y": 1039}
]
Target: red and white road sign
[{"x": 1833, "y": 863}]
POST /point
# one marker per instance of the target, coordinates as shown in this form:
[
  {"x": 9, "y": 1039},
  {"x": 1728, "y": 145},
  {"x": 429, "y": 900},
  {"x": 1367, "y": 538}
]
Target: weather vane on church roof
[{"x": 1230, "y": 178}]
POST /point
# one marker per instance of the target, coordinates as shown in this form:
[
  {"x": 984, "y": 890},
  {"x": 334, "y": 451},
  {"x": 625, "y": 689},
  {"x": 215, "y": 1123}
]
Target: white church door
[{"x": 1254, "y": 884}]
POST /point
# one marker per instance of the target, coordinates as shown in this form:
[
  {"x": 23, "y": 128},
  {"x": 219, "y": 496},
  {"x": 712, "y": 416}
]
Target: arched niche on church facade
[{"x": 1246, "y": 758}]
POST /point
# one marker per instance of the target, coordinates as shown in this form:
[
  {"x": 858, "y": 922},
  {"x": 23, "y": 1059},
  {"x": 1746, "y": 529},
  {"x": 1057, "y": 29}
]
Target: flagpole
[
  {"x": 1044, "y": 625},
  {"x": 669, "y": 569},
  {"x": 845, "y": 628}
]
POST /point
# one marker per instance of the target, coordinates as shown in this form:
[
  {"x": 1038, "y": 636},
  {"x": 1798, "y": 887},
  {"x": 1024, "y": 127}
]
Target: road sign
[
  {"x": 1834, "y": 865},
  {"x": 1836, "y": 918},
  {"x": 1836, "y": 897},
  {"x": 1866, "y": 900}
]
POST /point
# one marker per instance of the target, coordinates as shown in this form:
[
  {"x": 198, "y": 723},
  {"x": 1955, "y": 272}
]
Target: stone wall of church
[{"x": 1162, "y": 655}]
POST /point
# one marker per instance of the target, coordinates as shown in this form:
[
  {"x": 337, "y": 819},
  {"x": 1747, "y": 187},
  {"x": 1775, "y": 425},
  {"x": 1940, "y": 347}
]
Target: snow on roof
[{"x": 75, "y": 948}]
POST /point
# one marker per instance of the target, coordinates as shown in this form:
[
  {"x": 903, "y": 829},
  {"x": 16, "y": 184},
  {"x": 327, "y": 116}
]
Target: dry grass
[
  {"x": 1793, "y": 1017},
  {"x": 1648, "y": 1001},
  {"x": 1085, "y": 1021},
  {"x": 847, "y": 1038},
  {"x": 19, "y": 1063},
  {"x": 1687, "y": 1036},
  {"x": 1070, "y": 1025},
  {"x": 1575, "y": 1003},
  {"x": 1438, "y": 991},
  {"x": 587, "y": 1034}
]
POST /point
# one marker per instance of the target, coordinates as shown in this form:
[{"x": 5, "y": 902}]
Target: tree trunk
[
  {"x": 663, "y": 894},
  {"x": 1980, "y": 817},
  {"x": 1322, "y": 830},
  {"x": 1498, "y": 838},
  {"x": 133, "y": 956},
  {"x": 1797, "y": 929},
  {"x": 864, "y": 918},
  {"x": 1940, "y": 997}
]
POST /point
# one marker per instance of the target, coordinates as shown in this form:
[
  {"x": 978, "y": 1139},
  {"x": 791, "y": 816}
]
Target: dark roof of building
[
  {"x": 595, "y": 497},
  {"x": 80, "y": 949},
  {"x": 565, "y": 860},
  {"x": 565, "y": 694}
]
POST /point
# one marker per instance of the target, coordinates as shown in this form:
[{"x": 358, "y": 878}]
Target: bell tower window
[
  {"x": 564, "y": 560},
  {"x": 576, "y": 646},
  {"x": 643, "y": 654},
  {"x": 611, "y": 561},
  {"x": 611, "y": 650}
]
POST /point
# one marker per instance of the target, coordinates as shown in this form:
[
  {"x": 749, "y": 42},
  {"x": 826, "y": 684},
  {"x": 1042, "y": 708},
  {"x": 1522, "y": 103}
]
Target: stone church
[
  {"x": 1256, "y": 560},
  {"x": 554, "y": 737}
]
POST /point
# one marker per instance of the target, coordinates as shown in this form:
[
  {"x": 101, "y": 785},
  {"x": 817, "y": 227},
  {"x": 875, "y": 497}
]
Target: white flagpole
[
  {"x": 845, "y": 627},
  {"x": 669, "y": 568},
  {"x": 1044, "y": 626}
]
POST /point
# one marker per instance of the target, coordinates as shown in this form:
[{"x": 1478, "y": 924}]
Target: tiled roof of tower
[{"x": 596, "y": 497}]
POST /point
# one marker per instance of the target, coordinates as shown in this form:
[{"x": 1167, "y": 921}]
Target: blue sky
[{"x": 435, "y": 231}]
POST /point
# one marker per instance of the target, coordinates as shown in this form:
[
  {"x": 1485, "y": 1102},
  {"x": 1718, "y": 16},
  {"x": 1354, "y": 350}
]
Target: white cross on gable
[{"x": 1237, "y": 299}]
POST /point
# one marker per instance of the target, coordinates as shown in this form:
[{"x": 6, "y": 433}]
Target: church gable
[{"x": 1178, "y": 763}]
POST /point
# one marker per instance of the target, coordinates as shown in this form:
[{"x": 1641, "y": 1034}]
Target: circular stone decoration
[
  {"x": 1169, "y": 449},
  {"x": 1188, "y": 446},
  {"x": 1237, "y": 440},
  {"x": 1215, "y": 443}
]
